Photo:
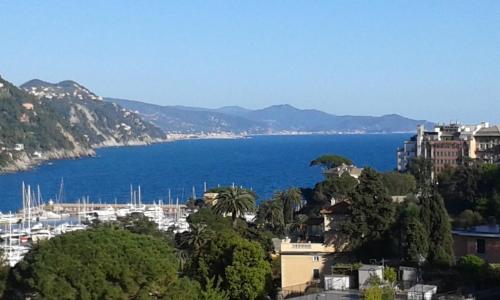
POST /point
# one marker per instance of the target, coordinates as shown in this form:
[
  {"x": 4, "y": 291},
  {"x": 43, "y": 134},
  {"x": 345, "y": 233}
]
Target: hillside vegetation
[
  {"x": 41, "y": 121},
  {"x": 35, "y": 125}
]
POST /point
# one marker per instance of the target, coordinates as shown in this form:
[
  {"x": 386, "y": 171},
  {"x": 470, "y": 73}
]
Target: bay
[{"x": 263, "y": 163}]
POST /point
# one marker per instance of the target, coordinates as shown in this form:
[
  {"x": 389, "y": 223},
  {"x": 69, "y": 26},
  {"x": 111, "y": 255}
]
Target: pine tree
[{"x": 372, "y": 212}]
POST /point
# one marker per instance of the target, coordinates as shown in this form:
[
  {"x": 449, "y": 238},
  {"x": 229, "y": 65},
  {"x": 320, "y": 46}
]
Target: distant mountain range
[
  {"x": 41, "y": 120},
  {"x": 272, "y": 119}
]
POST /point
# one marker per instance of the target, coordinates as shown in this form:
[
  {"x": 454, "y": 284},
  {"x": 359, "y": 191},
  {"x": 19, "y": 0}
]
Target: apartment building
[
  {"x": 448, "y": 145},
  {"x": 488, "y": 144}
]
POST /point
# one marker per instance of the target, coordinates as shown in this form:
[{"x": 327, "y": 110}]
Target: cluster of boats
[{"x": 36, "y": 222}]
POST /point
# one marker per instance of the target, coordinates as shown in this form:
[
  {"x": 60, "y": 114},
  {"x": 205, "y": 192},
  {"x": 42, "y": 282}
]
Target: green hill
[
  {"x": 32, "y": 126},
  {"x": 42, "y": 121}
]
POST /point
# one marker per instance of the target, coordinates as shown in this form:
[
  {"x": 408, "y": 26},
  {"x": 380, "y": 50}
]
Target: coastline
[{"x": 26, "y": 163}]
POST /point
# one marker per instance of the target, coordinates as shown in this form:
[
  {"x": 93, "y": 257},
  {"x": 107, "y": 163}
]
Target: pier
[{"x": 73, "y": 208}]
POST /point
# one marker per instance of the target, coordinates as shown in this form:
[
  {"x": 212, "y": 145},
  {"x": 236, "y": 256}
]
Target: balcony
[{"x": 287, "y": 247}]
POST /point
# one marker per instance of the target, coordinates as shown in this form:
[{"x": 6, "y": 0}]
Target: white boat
[
  {"x": 107, "y": 214},
  {"x": 9, "y": 218},
  {"x": 122, "y": 212},
  {"x": 75, "y": 227},
  {"x": 40, "y": 235}
]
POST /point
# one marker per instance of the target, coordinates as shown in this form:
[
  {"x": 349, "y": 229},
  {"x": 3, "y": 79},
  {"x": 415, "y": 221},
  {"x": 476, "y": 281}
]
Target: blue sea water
[{"x": 263, "y": 163}]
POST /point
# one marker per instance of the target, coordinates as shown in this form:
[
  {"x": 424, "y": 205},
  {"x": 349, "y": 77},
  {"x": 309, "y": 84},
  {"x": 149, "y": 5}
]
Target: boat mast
[
  {"x": 24, "y": 203},
  {"x": 29, "y": 210},
  {"x": 139, "y": 194}
]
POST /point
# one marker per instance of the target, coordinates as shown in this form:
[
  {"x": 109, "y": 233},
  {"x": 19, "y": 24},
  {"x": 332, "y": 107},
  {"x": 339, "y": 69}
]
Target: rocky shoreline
[{"x": 24, "y": 162}]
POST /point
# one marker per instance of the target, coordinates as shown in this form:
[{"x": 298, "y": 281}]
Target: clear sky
[{"x": 435, "y": 60}]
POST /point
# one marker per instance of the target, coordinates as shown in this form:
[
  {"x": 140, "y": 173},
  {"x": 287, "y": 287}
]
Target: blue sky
[{"x": 436, "y": 60}]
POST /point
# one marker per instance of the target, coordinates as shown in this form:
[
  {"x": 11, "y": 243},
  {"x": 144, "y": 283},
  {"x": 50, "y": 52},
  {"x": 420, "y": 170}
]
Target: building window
[
  {"x": 316, "y": 273},
  {"x": 481, "y": 246},
  {"x": 315, "y": 258}
]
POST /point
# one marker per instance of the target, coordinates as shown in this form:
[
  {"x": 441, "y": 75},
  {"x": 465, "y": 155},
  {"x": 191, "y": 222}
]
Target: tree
[
  {"x": 474, "y": 268},
  {"x": 468, "y": 218},
  {"x": 270, "y": 214},
  {"x": 437, "y": 225},
  {"x": 421, "y": 169},
  {"x": 372, "y": 213},
  {"x": 390, "y": 275},
  {"x": 240, "y": 266},
  {"x": 138, "y": 223},
  {"x": 4, "y": 272},
  {"x": 414, "y": 237},
  {"x": 337, "y": 187},
  {"x": 248, "y": 272},
  {"x": 489, "y": 207},
  {"x": 399, "y": 184},
  {"x": 235, "y": 201},
  {"x": 459, "y": 187},
  {"x": 194, "y": 239},
  {"x": 207, "y": 217},
  {"x": 330, "y": 161},
  {"x": 298, "y": 228},
  {"x": 290, "y": 199},
  {"x": 100, "y": 264}
]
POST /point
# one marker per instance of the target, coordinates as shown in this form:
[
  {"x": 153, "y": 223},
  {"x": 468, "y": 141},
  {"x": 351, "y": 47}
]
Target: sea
[{"x": 264, "y": 164}]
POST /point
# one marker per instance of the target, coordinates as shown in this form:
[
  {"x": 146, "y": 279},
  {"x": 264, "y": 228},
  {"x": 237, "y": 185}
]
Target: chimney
[{"x": 492, "y": 224}]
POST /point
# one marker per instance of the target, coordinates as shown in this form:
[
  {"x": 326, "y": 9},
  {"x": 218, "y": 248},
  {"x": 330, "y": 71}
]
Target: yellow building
[{"x": 303, "y": 265}]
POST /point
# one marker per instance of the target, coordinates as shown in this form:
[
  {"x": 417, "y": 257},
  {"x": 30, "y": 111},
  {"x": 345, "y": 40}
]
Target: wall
[
  {"x": 297, "y": 270},
  {"x": 465, "y": 245}
]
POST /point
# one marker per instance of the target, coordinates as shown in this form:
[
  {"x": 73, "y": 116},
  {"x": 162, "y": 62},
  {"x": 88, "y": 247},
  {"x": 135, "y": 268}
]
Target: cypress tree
[
  {"x": 436, "y": 222},
  {"x": 414, "y": 235}
]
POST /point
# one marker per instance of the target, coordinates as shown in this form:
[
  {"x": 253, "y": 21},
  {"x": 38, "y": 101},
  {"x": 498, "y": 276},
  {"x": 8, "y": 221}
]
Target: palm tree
[
  {"x": 182, "y": 257},
  {"x": 298, "y": 228},
  {"x": 234, "y": 201},
  {"x": 290, "y": 199},
  {"x": 197, "y": 237},
  {"x": 271, "y": 213}
]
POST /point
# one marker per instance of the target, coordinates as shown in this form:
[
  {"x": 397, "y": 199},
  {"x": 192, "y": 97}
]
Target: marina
[{"x": 38, "y": 221}]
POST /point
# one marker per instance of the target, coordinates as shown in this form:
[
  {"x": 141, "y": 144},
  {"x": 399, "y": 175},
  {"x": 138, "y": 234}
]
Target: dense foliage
[
  {"x": 414, "y": 237},
  {"x": 372, "y": 215},
  {"x": 438, "y": 226},
  {"x": 330, "y": 161},
  {"x": 398, "y": 184},
  {"x": 100, "y": 264},
  {"x": 472, "y": 187},
  {"x": 224, "y": 254},
  {"x": 333, "y": 187}
]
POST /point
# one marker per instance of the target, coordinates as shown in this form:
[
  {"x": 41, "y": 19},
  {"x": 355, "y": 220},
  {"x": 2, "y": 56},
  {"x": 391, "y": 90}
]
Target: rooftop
[
  {"x": 371, "y": 267},
  {"x": 489, "y": 231},
  {"x": 489, "y": 131},
  {"x": 302, "y": 248}
]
